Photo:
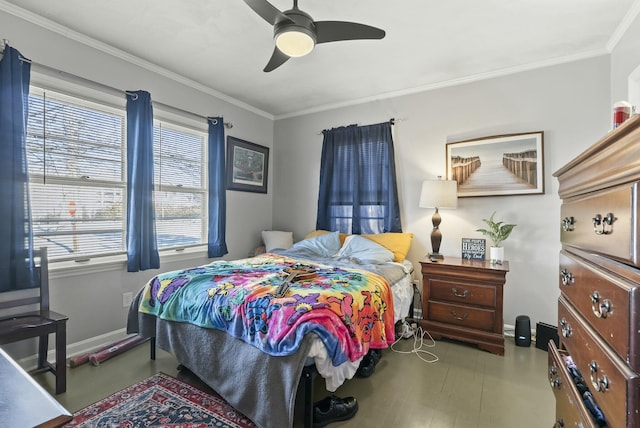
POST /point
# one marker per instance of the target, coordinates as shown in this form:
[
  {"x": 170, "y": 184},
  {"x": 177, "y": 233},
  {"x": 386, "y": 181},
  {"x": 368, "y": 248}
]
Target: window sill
[{"x": 118, "y": 262}]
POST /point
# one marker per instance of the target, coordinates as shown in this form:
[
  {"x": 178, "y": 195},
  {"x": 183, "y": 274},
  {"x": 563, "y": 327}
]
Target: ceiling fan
[{"x": 296, "y": 33}]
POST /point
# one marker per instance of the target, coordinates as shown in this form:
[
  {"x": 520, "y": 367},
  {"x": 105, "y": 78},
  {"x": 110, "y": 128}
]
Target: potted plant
[{"x": 498, "y": 231}]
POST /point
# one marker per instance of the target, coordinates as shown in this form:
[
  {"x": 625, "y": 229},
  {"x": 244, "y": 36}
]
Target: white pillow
[
  {"x": 323, "y": 245},
  {"x": 277, "y": 239},
  {"x": 365, "y": 250}
]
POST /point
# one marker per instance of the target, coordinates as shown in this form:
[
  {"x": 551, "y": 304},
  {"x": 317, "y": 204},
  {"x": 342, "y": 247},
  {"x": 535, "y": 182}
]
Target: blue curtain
[
  {"x": 358, "y": 191},
  {"x": 217, "y": 246},
  {"x": 142, "y": 245},
  {"x": 16, "y": 235}
]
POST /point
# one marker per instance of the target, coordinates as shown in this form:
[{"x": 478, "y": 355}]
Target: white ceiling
[{"x": 224, "y": 45}]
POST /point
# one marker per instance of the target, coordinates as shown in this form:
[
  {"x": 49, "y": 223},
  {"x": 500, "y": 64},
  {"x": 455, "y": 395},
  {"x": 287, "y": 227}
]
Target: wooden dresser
[
  {"x": 599, "y": 280},
  {"x": 462, "y": 300}
]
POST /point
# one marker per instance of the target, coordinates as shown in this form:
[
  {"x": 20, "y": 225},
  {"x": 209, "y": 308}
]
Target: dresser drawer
[
  {"x": 605, "y": 222},
  {"x": 570, "y": 409},
  {"x": 613, "y": 384},
  {"x": 461, "y": 292},
  {"x": 461, "y": 315},
  {"x": 607, "y": 302}
]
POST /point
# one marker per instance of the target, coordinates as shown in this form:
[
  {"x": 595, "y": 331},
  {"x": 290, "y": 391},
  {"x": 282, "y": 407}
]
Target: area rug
[{"x": 160, "y": 401}]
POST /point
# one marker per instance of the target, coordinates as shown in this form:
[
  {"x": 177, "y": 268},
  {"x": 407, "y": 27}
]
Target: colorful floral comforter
[{"x": 350, "y": 310}]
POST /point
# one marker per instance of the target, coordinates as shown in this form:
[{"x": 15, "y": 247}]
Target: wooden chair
[{"x": 25, "y": 323}]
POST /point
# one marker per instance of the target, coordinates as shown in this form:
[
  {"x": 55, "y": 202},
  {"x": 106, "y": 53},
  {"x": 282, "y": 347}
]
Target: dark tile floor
[{"x": 465, "y": 388}]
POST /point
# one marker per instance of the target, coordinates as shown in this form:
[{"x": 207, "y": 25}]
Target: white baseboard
[{"x": 31, "y": 362}]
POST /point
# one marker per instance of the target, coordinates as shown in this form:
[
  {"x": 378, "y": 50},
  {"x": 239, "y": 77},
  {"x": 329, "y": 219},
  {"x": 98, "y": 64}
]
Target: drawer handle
[
  {"x": 559, "y": 423},
  {"x": 567, "y": 277},
  {"x": 600, "y": 224},
  {"x": 567, "y": 224},
  {"x": 554, "y": 380},
  {"x": 462, "y": 318},
  {"x": 457, "y": 294},
  {"x": 601, "y": 384},
  {"x": 565, "y": 327},
  {"x": 600, "y": 309}
]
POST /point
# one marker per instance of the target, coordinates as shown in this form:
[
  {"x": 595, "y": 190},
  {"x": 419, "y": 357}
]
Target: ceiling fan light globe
[{"x": 295, "y": 42}]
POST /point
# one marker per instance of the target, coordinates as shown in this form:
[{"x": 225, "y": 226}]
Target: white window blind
[
  {"x": 180, "y": 179},
  {"x": 75, "y": 154}
]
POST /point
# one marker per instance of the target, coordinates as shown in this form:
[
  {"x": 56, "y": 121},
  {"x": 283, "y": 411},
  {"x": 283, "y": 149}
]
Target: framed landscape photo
[
  {"x": 247, "y": 166},
  {"x": 497, "y": 166}
]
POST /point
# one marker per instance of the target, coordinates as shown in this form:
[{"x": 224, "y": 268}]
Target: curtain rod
[
  {"x": 44, "y": 69},
  {"x": 392, "y": 122}
]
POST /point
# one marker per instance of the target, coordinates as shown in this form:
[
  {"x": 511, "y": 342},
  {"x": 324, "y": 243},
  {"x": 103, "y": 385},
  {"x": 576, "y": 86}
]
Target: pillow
[
  {"x": 398, "y": 243},
  {"x": 315, "y": 233},
  {"x": 318, "y": 232},
  {"x": 325, "y": 245},
  {"x": 277, "y": 239},
  {"x": 365, "y": 250}
]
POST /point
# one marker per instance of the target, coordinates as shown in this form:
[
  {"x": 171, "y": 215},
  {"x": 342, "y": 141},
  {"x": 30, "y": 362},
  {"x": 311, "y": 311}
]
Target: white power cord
[{"x": 418, "y": 342}]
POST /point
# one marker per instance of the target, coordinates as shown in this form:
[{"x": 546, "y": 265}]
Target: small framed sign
[{"x": 473, "y": 249}]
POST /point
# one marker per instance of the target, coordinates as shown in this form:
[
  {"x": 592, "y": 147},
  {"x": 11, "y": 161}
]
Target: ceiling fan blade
[
  {"x": 333, "y": 31},
  {"x": 277, "y": 59},
  {"x": 267, "y": 11}
]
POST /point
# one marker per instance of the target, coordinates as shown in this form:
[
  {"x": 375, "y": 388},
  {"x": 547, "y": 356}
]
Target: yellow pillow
[
  {"x": 318, "y": 232},
  {"x": 398, "y": 243}
]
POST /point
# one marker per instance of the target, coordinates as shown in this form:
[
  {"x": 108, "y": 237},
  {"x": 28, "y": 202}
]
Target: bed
[{"x": 225, "y": 322}]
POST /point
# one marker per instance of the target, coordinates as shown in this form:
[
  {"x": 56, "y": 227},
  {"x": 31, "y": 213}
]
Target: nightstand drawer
[
  {"x": 459, "y": 292},
  {"x": 477, "y": 318}
]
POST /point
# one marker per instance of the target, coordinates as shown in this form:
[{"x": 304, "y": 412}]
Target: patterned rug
[{"x": 160, "y": 401}]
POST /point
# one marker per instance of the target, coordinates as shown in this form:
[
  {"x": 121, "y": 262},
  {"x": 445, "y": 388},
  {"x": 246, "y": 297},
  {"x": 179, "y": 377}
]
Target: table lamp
[{"x": 438, "y": 194}]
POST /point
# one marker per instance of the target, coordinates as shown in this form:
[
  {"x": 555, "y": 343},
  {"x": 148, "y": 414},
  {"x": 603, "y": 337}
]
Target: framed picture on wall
[
  {"x": 247, "y": 166},
  {"x": 498, "y": 165}
]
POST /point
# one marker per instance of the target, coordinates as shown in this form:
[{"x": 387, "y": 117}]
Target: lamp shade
[{"x": 439, "y": 194}]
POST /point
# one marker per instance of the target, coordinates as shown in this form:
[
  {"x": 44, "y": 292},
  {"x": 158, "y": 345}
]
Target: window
[
  {"x": 76, "y": 152},
  {"x": 358, "y": 191},
  {"x": 179, "y": 176}
]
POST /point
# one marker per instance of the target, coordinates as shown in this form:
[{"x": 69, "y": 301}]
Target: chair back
[{"x": 39, "y": 295}]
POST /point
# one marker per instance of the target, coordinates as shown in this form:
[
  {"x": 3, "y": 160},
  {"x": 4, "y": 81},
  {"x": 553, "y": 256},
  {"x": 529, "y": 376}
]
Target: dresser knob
[
  {"x": 567, "y": 277},
  {"x": 554, "y": 381},
  {"x": 600, "y": 224},
  {"x": 565, "y": 327},
  {"x": 600, "y": 308},
  {"x": 601, "y": 384},
  {"x": 567, "y": 224},
  {"x": 458, "y": 294}
]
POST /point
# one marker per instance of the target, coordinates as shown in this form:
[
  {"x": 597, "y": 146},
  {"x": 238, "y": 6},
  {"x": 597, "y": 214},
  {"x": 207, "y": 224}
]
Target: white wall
[
  {"x": 625, "y": 61},
  {"x": 93, "y": 301},
  {"x": 570, "y": 103}
]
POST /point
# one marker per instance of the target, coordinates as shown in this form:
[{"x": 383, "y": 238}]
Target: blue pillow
[
  {"x": 365, "y": 250},
  {"x": 323, "y": 245}
]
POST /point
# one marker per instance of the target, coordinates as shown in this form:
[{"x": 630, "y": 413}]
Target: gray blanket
[{"x": 260, "y": 386}]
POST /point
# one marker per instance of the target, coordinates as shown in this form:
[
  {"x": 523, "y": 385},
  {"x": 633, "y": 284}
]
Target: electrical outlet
[{"x": 127, "y": 298}]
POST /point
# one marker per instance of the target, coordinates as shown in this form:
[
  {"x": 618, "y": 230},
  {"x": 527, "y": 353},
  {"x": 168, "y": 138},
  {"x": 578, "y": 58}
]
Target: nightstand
[{"x": 462, "y": 300}]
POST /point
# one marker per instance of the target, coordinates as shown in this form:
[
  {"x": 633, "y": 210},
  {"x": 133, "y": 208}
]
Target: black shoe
[
  {"x": 368, "y": 363},
  {"x": 333, "y": 409}
]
